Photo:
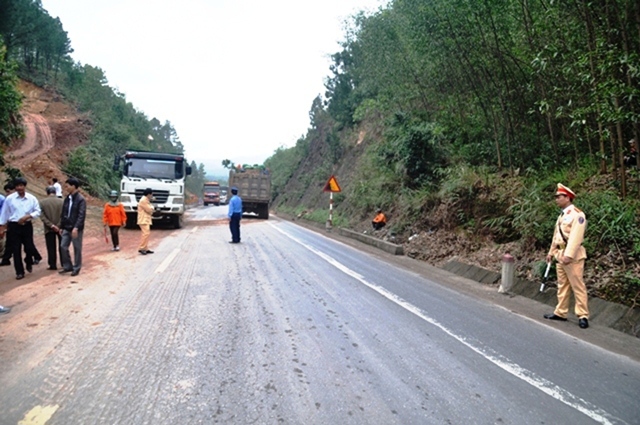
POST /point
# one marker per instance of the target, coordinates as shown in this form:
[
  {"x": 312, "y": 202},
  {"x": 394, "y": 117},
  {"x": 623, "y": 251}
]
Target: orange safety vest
[{"x": 380, "y": 218}]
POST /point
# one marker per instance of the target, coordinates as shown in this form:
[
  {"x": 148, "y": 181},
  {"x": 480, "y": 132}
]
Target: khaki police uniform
[
  {"x": 567, "y": 240},
  {"x": 145, "y": 213}
]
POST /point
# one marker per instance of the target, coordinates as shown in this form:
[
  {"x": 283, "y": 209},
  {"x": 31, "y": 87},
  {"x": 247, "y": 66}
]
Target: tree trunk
[
  {"x": 591, "y": 45},
  {"x": 623, "y": 174},
  {"x": 614, "y": 163}
]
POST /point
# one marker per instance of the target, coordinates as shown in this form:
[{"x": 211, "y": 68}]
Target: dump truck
[
  {"x": 211, "y": 193},
  {"x": 164, "y": 173},
  {"x": 254, "y": 187}
]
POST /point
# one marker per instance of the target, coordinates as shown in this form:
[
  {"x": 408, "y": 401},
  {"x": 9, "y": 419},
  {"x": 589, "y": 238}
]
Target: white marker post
[{"x": 331, "y": 187}]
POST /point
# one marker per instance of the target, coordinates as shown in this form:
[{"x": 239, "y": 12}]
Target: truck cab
[{"x": 164, "y": 174}]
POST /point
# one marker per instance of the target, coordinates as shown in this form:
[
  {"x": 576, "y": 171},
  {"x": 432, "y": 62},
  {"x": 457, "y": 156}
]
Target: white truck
[{"x": 164, "y": 173}]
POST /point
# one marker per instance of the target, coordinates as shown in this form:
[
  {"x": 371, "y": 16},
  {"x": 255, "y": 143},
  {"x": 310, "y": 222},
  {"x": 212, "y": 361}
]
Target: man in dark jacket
[{"x": 74, "y": 211}]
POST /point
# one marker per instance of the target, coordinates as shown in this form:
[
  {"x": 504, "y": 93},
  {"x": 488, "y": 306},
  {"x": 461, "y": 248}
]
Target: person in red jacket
[{"x": 114, "y": 217}]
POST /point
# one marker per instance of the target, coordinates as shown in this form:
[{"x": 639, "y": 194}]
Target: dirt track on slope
[
  {"x": 52, "y": 128},
  {"x": 37, "y": 141}
]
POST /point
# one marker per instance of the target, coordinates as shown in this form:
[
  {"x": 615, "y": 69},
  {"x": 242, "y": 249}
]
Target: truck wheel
[
  {"x": 177, "y": 221},
  {"x": 264, "y": 212}
]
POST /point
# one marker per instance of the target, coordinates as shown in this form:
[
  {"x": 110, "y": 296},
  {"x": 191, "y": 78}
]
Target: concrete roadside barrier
[
  {"x": 615, "y": 316},
  {"x": 389, "y": 247}
]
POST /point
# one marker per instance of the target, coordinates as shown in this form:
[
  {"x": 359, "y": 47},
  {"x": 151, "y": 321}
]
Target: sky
[{"x": 236, "y": 78}]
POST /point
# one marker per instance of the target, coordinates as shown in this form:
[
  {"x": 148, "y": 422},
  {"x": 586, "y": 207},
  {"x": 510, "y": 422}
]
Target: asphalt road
[{"x": 293, "y": 327}]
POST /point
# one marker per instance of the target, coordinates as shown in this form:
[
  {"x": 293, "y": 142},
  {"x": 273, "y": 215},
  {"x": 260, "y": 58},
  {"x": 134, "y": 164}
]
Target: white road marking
[
  {"x": 163, "y": 266},
  {"x": 505, "y": 364}
]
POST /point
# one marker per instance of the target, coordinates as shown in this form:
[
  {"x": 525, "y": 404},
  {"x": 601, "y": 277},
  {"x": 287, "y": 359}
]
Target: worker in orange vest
[{"x": 379, "y": 221}]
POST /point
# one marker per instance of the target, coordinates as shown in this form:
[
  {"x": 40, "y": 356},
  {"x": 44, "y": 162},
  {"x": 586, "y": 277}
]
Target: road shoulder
[{"x": 600, "y": 336}]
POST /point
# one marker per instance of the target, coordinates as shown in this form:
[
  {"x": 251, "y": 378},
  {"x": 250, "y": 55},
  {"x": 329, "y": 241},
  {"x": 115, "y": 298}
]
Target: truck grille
[{"x": 159, "y": 196}]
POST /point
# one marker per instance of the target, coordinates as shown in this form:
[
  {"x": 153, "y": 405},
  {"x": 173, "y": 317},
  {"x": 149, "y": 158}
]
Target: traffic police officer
[{"x": 567, "y": 249}]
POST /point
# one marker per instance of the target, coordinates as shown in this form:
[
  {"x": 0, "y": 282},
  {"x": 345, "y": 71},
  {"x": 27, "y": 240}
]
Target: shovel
[{"x": 546, "y": 276}]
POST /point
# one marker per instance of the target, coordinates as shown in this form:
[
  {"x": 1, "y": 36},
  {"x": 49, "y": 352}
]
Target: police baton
[{"x": 546, "y": 276}]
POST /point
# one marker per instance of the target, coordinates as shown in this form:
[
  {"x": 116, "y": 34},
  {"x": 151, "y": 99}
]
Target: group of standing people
[
  {"x": 115, "y": 217},
  {"x": 63, "y": 220}
]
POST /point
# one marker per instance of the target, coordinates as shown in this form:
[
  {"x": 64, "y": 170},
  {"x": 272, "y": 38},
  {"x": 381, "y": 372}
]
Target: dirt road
[{"x": 31, "y": 298}]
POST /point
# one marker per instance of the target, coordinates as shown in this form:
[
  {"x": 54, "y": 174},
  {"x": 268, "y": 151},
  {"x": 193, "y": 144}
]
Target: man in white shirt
[
  {"x": 57, "y": 186},
  {"x": 18, "y": 211}
]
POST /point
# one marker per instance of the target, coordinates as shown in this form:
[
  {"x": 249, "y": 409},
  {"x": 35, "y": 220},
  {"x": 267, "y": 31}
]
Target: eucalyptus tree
[
  {"x": 591, "y": 70},
  {"x": 10, "y": 102}
]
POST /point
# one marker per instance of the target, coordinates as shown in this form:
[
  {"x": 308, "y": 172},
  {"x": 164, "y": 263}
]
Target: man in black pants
[
  {"x": 9, "y": 188},
  {"x": 18, "y": 212},
  {"x": 74, "y": 211},
  {"x": 51, "y": 214},
  {"x": 235, "y": 215}
]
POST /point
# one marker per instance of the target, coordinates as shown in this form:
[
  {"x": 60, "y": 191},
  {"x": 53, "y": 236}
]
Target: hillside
[
  {"x": 453, "y": 222},
  {"x": 53, "y": 127}
]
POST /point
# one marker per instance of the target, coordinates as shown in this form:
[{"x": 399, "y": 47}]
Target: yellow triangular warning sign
[{"x": 332, "y": 185}]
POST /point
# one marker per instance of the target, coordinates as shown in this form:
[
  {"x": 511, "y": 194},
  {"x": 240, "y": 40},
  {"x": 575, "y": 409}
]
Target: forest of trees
[
  {"x": 35, "y": 47},
  {"x": 522, "y": 86},
  {"x": 462, "y": 115},
  {"x": 516, "y": 84}
]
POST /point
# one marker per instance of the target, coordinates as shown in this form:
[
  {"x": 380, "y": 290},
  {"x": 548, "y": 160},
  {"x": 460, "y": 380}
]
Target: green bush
[
  {"x": 374, "y": 185},
  {"x": 613, "y": 224},
  {"x": 91, "y": 170},
  {"x": 533, "y": 213},
  {"x": 416, "y": 148}
]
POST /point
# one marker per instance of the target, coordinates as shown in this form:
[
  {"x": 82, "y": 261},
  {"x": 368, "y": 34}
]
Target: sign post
[{"x": 331, "y": 187}]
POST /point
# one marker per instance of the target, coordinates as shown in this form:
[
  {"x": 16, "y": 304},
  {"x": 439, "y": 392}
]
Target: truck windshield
[
  {"x": 211, "y": 189},
  {"x": 154, "y": 168}
]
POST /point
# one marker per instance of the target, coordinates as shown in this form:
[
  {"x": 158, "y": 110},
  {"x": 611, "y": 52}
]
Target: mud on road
[{"x": 45, "y": 296}]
